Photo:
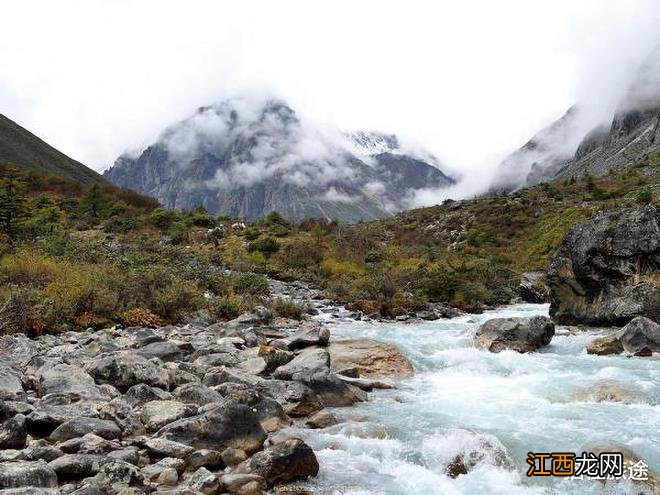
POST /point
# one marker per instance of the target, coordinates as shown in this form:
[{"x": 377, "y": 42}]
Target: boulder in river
[
  {"x": 606, "y": 272},
  {"x": 287, "y": 461},
  {"x": 517, "y": 334},
  {"x": 372, "y": 358},
  {"x": 640, "y": 337}
]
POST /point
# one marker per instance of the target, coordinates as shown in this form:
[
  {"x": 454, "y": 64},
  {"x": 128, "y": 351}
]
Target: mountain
[
  {"x": 564, "y": 149},
  {"x": 21, "y": 148},
  {"x": 245, "y": 159}
]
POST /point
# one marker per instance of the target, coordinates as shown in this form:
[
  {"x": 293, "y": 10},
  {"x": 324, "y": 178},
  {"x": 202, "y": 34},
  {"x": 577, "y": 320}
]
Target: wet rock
[
  {"x": 464, "y": 450},
  {"x": 609, "y": 391},
  {"x": 290, "y": 460},
  {"x": 296, "y": 398},
  {"x": 125, "y": 369},
  {"x": 158, "y": 413},
  {"x": 366, "y": 384},
  {"x": 641, "y": 337},
  {"x": 13, "y": 433},
  {"x": 322, "y": 419},
  {"x": 629, "y": 458},
  {"x": 373, "y": 359},
  {"x": 79, "y": 426},
  {"x": 604, "y": 346},
  {"x": 533, "y": 288},
  {"x": 605, "y": 272},
  {"x": 23, "y": 474},
  {"x": 518, "y": 334},
  {"x": 308, "y": 361},
  {"x": 230, "y": 424}
]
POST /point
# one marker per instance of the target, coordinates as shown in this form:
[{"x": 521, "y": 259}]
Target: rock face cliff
[
  {"x": 607, "y": 269},
  {"x": 246, "y": 159},
  {"x": 567, "y": 148}
]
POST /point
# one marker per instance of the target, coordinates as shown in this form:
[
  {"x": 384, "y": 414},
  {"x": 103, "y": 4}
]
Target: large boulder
[
  {"x": 27, "y": 474},
  {"x": 287, "y": 461},
  {"x": 11, "y": 387},
  {"x": 641, "y": 337},
  {"x": 307, "y": 361},
  {"x": 373, "y": 359},
  {"x": 310, "y": 333},
  {"x": 124, "y": 369},
  {"x": 80, "y": 426},
  {"x": 533, "y": 288},
  {"x": 517, "y": 334},
  {"x": 67, "y": 379},
  {"x": 606, "y": 272},
  {"x": 229, "y": 424},
  {"x": 13, "y": 433}
]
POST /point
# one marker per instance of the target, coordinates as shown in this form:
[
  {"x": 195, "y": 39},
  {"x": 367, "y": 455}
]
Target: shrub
[
  {"x": 267, "y": 246},
  {"x": 645, "y": 196},
  {"x": 178, "y": 298},
  {"x": 251, "y": 283},
  {"x": 227, "y": 307},
  {"x": 164, "y": 218},
  {"x": 141, "y": 317},
  {"x": 373, "y": 257},
  {"x": 286, "y": 308}
]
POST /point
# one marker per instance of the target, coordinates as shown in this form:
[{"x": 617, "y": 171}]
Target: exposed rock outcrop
[
  {"x": 371, "y": 358},
  {"x": 607, "y": 269}
]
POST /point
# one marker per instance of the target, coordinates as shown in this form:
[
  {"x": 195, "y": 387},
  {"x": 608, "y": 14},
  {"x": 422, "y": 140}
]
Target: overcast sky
[{"x": 470, "y": 79}]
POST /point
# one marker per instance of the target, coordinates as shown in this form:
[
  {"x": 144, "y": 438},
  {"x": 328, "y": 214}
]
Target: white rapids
[{"x": 401, "y": 441}]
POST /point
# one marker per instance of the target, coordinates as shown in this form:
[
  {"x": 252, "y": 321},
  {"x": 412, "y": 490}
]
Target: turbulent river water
[{"x": 461, "y": 399}]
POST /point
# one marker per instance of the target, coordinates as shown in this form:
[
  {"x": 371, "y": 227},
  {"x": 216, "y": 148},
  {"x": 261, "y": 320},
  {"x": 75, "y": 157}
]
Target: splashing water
[{"x": 487, "y": 409}]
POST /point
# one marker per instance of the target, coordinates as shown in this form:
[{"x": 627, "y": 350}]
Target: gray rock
[
  {"x": 77, "y": 466},
  {"x": 203, "y": 481},
  {"x": 218, "y": 376},
  {"x": 237, "y": 482},
  {"x": 205, "y": 458},
  {"x": 269, "y": 412},
  {"x": 330, "y": 389},
  {"x": 322, "y": 419},
  {"x": 168, "y": 448},
  {"x": 258, "y": 316},
  {"x": 124, "y": 369},
  {"x": 80, "y": 426},
  {"x": 229, "y": 424},
  {"x": 308, "y": 361},
  {"x": 232, "y": 457},
  {"x": 518, "y": 334},
  {"x": 199, "y": 318},
  {"x": 17, "y": 350},
  {"x": 252, "y": 366},
  {"x": 48, "y": 415},
  {"x": 641, "y": 337},
  {"x": 274, "y": 358},
  {"x": 67, "y": 379},
  {"x": 165, "y": 351},
  {"x": 13, "y": 433},
  {"x": 11, "y": 387},
  {"x": 604, "y": 346},
  {"x": 533, "y": 288},
  {"x": 193, "y": 393},
  {"x": 310, "y": 333},
  {"x": 296, "y": 398},
  {"x": 217, "y": 359},
  {"x": 605, "y": 271},
  {"x": 142, "y": 393},
  {"x": 158, "y": 413},
  {"x": 88, "y": 444},
  {"x": 287, "y": 461},
  {"x": 23, "y": 474}
]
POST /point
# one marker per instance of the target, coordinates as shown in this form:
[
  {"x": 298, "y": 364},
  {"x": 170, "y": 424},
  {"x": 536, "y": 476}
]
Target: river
[{"x": 401, "y": 441}]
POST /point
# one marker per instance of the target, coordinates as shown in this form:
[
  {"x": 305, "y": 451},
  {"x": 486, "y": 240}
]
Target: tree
[
  {"x": 13, "y": 202},
  {"x": 93, "y": 200}
]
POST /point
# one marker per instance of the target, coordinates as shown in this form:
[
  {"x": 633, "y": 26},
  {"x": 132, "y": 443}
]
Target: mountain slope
[
  {"x": 564, "y": 149},
  {"x": 23, "y": 149},
  {"x": 245, "y": 159}
]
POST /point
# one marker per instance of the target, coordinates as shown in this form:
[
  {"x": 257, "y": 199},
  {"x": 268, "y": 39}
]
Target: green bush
[
  {"x": 267, "y": 246},
  {"x": 251, "y": 283},
  {"x": 286, "y": 308}
]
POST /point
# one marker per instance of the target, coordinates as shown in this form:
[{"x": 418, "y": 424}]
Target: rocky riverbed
[{"x": 197, "y": 408}]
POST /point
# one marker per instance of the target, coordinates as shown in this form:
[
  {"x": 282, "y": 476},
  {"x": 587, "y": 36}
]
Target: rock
[
  {"x": 11, "y": 387},
  {"x": 122, "y": 413},
  {"x": 199, "y": 318},
  {"x": 168, "y": 477},
  {"x": 4, "y": 410},
  {"x": 205, "y": 458},
  {"x": 296, "y": 398},
  {"x": 193, "y": 393},
  {"x": 129, "y": 455},
  {"x": 290, "y": 460},
  {"x": 372, "y": 358},
  {"x": 23, "y": 474},
  {"x": 76, "y": 466},
  {"x": 68, "y": 380},
  {"x": 258, "y": 316},
  {"x": 252, "y": 366},
  {"x": 48, "y": 415},
  {"x": 165, "y": 351},
  {"x": 124, "y": 369},
  {"x": 158, "y": 413},
  {"x": 308, "y": 361},
  {"x": 168, "y": 448},
  {"x": 641, "y": 337},
  {"x": 629, "y": 458},
  {"x": 609, "y": 391},
  {"x": 311, "y": 333},
  {"x": 13, "y": 433},
  {"x": 604, "y": 346},
  {"x": 79, "y": 426},
  {"x": 269, "y": 412},
  {"x": 88, "y": 444},
  {"x": 466, "y": 450},
  {"x": 330, "y": 390},
  {"x": 17, "y": 350},
  {"x": 605, "y": 271},
  {"x": 322, "y": 419},
  {"x": 518, "y": 334},
  {"x": 229, "y": 424},
  {"x": 142, "y": 393},
  {"x": 242, "y": 483},
  {"x": 365, "y": 384},
  {"x": 218, "y": 376},
  {"x": 232, "y": 457},
  {"x": 203, "y": 481},
  {"x": 533, "y": 288},
  {"x": 217, "y": 359},
  {"x": 274, "y": 358}
]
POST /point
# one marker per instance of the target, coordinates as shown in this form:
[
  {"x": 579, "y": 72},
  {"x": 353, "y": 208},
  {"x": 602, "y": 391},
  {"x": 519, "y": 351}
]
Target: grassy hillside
[
  {"x": 77, "y": 256},
  {"x": 24, "y": 150}
]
